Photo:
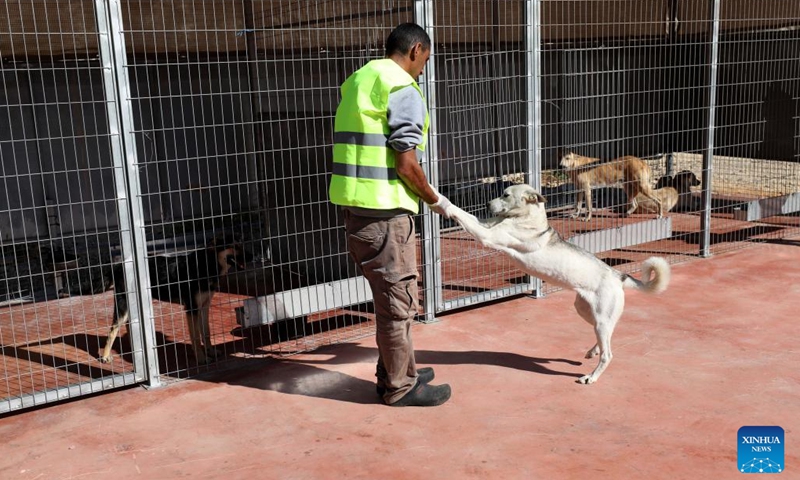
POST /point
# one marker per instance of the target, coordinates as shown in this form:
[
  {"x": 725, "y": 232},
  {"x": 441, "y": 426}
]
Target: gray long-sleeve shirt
[{"x": 405, "y": 113}]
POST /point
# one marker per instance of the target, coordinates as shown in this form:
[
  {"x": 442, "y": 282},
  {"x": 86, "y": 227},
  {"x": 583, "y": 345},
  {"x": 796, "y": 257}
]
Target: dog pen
[{"x": 139, "y": 130}]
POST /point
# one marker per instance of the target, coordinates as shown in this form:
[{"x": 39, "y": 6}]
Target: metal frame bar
[
  {"x": 141, "y": 322},
  {"x": 530, "y": 9},
  {"x": 755, "y": 210},
  {"x": 431, "y": 246},
  {"x": 708, "y": 155},
  {"x": 486, "y": 296},
  {"x": 65, "y": 393},
  {"x": 123, "y": 201},
  {"x": 534, "y": 89}
]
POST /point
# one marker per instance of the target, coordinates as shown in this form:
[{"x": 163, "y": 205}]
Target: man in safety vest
[{"x": 380, "y": 132}]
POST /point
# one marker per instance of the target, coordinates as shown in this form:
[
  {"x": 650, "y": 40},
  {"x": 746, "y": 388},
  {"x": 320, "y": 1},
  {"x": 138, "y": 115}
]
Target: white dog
[{"x": 520, "y": 229}]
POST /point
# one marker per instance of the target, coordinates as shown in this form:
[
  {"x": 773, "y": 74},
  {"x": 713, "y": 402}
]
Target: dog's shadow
[
  {"x": 468, "y": 357},
  {"x": 514, "y": 361},
  {"x": 308, "y": 377}
]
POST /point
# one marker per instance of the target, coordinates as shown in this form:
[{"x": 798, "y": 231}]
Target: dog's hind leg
[
  {"x": 646, "y": 191},
  {"x": 604, "y": 314},
  {"x": 194, "y": 322},
  {"x": 632, "y": 204},
  {"x": 585, "y": 311},
  {"x": 120, "y": 318},
  {"x": 203, "y": 301},
  {"x": 603, "y": 332},
  {"x": 211, "y": 352}
]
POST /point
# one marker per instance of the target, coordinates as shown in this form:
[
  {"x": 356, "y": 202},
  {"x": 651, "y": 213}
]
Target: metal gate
[
  {"x": 485, "y": 107},
  {"x": 66, "y": 207}
]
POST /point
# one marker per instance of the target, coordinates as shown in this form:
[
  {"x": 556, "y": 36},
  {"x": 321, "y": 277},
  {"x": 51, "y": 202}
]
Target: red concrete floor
[{"x": 716, "y": 352}]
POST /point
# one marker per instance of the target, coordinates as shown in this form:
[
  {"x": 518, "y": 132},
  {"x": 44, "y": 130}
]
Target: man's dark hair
[{"x": 405, "y": 36}]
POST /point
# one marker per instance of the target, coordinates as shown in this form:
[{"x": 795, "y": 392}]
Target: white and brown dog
[{"x": 520, "y": 229}]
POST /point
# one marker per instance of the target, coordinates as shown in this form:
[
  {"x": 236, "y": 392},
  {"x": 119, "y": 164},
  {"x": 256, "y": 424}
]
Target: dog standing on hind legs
[
  {"x": 520, "y": 229},
  {"x": 190, "y": 280}
]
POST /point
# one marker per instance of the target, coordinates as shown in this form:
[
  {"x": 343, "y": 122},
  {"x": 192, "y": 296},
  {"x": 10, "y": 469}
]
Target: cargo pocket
[
  {"x": 366, "y": 243},
  {"x": 402, "y": 301}
]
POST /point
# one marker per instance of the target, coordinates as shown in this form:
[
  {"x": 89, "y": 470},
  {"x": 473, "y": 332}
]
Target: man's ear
[{"x": 416, "y": 50}]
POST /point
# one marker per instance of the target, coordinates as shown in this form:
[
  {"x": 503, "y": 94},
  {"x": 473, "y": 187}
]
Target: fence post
[
  {"x": 708, "y": 155},
  {"x": 431, "y": 243},
  {"x": 533, "y": 46},
  {"x": 252, "y": 126},
  {"x": 129, "y": 193}
]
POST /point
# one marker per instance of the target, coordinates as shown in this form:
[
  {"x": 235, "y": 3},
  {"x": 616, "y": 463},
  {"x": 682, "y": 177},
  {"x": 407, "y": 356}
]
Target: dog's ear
[{"x": 534, "y": 198}]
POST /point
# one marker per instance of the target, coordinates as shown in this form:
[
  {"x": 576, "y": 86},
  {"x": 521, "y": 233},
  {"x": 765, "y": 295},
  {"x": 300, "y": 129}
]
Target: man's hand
[{"x": 441, "y": 206}]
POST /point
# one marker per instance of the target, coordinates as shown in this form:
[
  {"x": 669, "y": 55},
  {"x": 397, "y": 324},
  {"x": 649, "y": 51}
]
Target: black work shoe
[
  {"x": 424, "y": 395},
  {"x": 424, "y": 375}
]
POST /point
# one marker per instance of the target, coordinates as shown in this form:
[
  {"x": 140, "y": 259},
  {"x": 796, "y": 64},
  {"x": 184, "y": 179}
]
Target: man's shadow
[{"x": 306, "y": 377}]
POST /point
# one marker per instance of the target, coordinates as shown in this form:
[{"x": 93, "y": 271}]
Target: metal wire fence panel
[
  {"x": 689, "y": 98},
  {"x": 234, "y": 122},
  {"x": 755, "y": 173},
  {"x": 64, "y": 232},
  {"x": 482, "y": 115},
  {"x": 171, "y": 159},
  {"x": 608, "y": 84}
]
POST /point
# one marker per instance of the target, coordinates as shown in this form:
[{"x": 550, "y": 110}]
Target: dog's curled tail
[{"x": 661, "y": 273}]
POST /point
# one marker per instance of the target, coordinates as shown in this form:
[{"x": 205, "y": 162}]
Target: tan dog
[
  {"x": 674, "y": 191},
  {"x": 520, "y": 229},
  {"x": 585, "y": 172}
]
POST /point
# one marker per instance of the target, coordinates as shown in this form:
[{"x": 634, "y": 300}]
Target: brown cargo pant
[{"x": 385, "y": 250}]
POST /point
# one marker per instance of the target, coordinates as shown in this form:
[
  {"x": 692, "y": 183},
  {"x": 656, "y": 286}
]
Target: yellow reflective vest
[{"x": 364, "y": 172}]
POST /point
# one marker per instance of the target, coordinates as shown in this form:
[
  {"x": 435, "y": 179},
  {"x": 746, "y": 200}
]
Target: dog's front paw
[
  {"x": 585, "y": 380},
  {"x": 104, "y": 359},
  {"x": 586, "y": 219},
  {"x": 593, "y": 352}
]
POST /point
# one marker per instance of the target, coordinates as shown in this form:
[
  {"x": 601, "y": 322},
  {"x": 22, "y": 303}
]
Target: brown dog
[
  {"x": 585, "y": 172},
  {"x": 674, "y": 192}
]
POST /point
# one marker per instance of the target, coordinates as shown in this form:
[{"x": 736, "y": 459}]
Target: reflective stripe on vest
[
  {"x": 364, "y": 172},
  {"x": 358, "y": 138}
]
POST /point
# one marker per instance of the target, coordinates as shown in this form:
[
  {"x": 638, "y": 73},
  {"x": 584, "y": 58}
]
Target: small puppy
[
  {"x": 585, "y": 172},
  {"x": 520, "y": 229},
  {"x": 674, "y": 193}
]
